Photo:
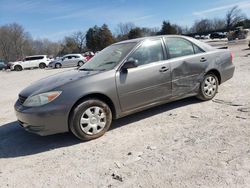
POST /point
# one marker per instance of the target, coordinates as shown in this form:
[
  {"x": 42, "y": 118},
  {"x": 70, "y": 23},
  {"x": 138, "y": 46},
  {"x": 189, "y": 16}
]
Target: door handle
[
  {"x": 163, "y": 69},
  {"x": 203, "y": 59}
]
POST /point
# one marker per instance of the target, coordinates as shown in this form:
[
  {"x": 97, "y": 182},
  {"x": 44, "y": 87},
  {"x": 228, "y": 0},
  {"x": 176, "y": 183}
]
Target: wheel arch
[
  {"x": 18, "y": 65},
  {"x": 216, "y": 73},
  {"x": 98, "y": 96}
]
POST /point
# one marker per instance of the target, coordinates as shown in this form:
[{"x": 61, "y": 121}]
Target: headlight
[{"x": 41, "y": 99}]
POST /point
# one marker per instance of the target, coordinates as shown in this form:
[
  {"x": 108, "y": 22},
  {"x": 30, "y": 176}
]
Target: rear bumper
[
  {"x": 45, "y": 120},
  {"x": 227, "y": 73}
]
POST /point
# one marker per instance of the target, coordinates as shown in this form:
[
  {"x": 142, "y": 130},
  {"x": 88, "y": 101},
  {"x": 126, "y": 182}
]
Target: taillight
[{"x": 231, "y": 56}]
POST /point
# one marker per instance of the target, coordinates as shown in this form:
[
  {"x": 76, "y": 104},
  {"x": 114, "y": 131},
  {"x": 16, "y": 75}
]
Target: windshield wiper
[{"x": 107, "y": 63}]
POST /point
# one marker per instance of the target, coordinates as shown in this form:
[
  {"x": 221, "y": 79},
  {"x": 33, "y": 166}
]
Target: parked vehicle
[
  {"x": 88, "y": 55},
  {"x": 70, "y": 60},
  {"x": 218, "y": 35},
  {"x": 237, "y": 33},
  {"x": 3, "y": 65},
  {"x": 37, "y": 61},
  {"x": 122, "y": 79}
]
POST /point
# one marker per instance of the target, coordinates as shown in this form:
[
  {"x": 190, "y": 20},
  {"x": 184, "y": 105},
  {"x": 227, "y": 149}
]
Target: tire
[
  {"x": 80, "y": 63},
  {"x": 90, "y": 119},
  {"x": 208, "y": 87},
  {"x": 42, "y": 65},
  {"x": 18, "y": 68},
  {"x": 58, "y": 65}
]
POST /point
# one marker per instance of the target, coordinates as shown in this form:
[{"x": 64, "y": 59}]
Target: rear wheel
[
  {"x": 42, "y": 65},
  {"x": 90, "y": 119},
  {"x": 208, "y": 87},
  {"x": 18, "y": 68},
  {"x": 58, "y": 65}
]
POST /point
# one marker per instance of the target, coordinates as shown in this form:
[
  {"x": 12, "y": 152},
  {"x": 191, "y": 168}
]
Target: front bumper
[{"x": 45, "y": 120}]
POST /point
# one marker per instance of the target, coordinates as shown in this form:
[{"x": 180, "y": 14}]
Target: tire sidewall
[
  {"x": 203, "y": 95},
  {"x": 58, "y": 65},
  {"x": 17, "y": 68},
  {"x": 42, "y": 65},
  {"x": 80, "y": 63},
  {"x": 75, "y": 126}
]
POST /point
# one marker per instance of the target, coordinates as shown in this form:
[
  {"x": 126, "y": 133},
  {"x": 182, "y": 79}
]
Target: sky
[{"x": 55, "y": 19}]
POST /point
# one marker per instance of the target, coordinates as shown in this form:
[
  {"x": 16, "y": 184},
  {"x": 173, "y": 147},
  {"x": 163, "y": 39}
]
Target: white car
[
  {"x": 40, "y": 61},
  {"x": 70, "y": 60}
]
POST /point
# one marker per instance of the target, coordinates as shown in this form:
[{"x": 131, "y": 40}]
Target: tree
[
  {"x": 69, "y": 46},
  {"x": 79, "y": 38},
  {"x": 135, "y": 33},
  {"x": 167, "y": 28},
  {"x": 13, "y": 41},
  {"x": 203, "y": 25},
  {"x": 124, "y": 28},
  {"x": 218, "y": 24},
  {"x": 98, "y": 38},
  {"x": 233, "y": 17},
  {"x": 44, "y": 46}
]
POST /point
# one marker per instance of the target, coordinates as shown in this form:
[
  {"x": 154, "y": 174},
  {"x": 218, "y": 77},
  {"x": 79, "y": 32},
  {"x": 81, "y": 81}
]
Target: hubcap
[
  {"x": 210, "y": 86},
  {"x": 93, "y": 120}
]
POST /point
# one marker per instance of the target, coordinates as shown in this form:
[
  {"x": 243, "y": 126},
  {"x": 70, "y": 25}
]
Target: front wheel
[
  {"x": 18, "y": 68},
  {"x": 58, "y": 65},
  {"x": 208, "y": 87},
  {"x": 80, "y": 63},
  {"x": 90, "y": 119}
]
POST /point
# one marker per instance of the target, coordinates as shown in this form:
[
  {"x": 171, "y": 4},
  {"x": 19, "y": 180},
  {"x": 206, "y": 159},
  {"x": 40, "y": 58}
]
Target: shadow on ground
[{"x": 15, "y": 142}]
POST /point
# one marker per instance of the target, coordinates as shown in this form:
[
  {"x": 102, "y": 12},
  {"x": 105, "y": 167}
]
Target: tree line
[{"x": 16, "y": 43}]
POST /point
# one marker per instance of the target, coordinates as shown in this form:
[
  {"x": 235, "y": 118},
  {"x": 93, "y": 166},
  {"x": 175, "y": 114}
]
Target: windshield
[{"x": 109, "y": 57}]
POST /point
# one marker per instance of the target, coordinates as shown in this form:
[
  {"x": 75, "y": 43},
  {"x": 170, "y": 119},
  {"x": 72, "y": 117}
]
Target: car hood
[
  {"x": 52, "y": 82},
  {"x": 15, "y": 62}
]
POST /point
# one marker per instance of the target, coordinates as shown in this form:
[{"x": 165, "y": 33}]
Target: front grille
[{"x": 22, "y": 99}]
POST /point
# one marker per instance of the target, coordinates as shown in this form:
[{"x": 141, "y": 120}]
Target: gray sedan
[
  {"x": 122, "y": 79},
  {"x": 70, "y": 60}
]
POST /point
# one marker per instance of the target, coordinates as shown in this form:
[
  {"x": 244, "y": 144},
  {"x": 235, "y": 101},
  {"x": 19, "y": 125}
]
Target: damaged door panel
[
  {"x": 187, "y": 74},
  {"x": 188, "y": 64}
]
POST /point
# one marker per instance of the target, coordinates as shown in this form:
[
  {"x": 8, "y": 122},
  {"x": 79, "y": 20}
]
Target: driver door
[{"x": 147, "y": 83}]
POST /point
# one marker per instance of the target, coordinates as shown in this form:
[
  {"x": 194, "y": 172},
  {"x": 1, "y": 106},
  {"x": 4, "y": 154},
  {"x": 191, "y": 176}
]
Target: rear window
[
  {"x": 34, "y": 58},
  {"x": 178, "y": 47}
]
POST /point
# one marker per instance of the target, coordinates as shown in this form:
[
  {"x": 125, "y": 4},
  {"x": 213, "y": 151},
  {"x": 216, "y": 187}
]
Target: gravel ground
[{"x": 187, "y": 143}]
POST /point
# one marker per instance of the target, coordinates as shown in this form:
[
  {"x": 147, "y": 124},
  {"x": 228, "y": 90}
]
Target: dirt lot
[{"x": 182, "y": 144}]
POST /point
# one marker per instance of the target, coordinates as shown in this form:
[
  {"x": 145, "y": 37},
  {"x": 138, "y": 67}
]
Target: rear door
[
  {"x": 188, "y": 65},
  {"x": 28, "y": 62},
  {"x": 67, "y": 61},
  {"x": 37, "y": 61},
  {"x": 75, "y": 60},
  {"x": 149, "y": 82}
]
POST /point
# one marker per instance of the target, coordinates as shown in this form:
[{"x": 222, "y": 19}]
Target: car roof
[
  {"x": 71, "y": 54},
  {"x": 202, "y": 45},
  {"x": 35, "y": 55},
  {"x": 137, "y": 40}
]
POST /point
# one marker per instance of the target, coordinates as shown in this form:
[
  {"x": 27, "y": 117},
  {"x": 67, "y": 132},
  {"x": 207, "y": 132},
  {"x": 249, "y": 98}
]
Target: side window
[
  {"x": 39, "y": 57},
  {"x": 150, "y": 51},
  {"x": 178, "y": 47},
  {"x": 197, "y": 50},
  {"x": 67, "y": 58}
]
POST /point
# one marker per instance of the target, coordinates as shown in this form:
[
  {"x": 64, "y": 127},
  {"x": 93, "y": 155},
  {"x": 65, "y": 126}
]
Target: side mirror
[{"x": 129, "y": 64}]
